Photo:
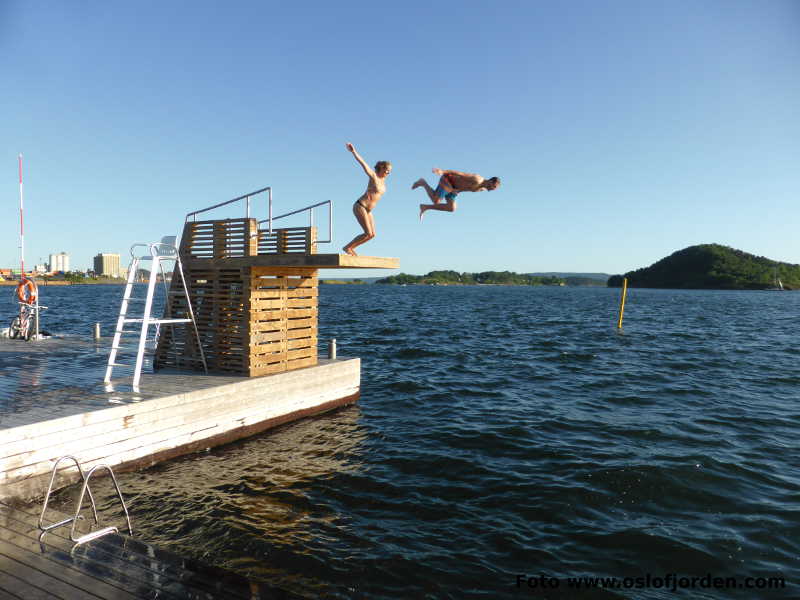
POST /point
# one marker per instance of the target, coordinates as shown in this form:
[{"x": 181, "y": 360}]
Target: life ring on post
[{"x": 26, "y": 291}]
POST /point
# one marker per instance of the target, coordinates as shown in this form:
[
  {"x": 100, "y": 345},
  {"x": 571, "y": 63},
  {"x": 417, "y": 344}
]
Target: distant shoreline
[{"x": 44, "y": 283}]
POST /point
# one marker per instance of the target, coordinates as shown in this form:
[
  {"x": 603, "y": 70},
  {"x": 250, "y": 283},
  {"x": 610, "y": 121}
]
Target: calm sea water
[{"x": 505, "y": 432}]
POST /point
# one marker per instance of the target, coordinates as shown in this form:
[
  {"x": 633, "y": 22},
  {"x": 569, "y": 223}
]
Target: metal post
[
  {"x": 97, "y": 331},
  {"x": 248, "y": 206},
  {"x": 270, "y": 211},
  {"x": 332, "y": 349},
  {"x": 622, "y": 302}
]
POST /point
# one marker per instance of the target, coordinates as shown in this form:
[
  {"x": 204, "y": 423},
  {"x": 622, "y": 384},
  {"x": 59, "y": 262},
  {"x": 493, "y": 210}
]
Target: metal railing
[
  {"x": 246, "y": 197},
  {"x": 310, "y": 210},
  {"x": 270, "y": 218},
  {"x": 92, "y": 535}
]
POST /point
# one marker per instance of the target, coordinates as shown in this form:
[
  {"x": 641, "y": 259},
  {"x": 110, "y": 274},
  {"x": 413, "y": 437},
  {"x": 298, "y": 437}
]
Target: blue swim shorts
[{"x": 449, "y": 196}]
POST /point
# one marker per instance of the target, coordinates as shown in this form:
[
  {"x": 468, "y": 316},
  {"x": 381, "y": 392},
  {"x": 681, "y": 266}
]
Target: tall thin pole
[
  {"x": 622, "y": 301},
  {"x": 21, "y": 223}
]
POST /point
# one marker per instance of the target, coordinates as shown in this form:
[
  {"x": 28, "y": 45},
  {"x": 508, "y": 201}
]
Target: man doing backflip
[{"x": 450, "y": 184}]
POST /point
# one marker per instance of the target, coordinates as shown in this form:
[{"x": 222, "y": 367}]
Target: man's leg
[
  {"x": 434, "y": 195},
  {"x": 449, "y": 207}
]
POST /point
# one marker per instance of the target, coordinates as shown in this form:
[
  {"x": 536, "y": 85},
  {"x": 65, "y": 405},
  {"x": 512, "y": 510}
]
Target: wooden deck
[
  {"x": 58, "y": 406},
  {"x": 114, "y": 567}
]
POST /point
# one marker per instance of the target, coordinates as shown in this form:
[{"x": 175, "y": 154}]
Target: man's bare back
[{"x": 461, "y": 182}]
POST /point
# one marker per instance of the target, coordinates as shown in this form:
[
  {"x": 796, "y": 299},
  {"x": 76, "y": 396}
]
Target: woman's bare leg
[{"x": 367, "y": 222}]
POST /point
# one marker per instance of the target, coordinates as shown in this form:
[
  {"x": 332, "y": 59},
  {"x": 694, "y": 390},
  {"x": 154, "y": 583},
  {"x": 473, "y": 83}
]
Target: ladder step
[
  {"x": 157, "y": 321},
  {"x": 132, "y": 347},
  {"x": 170, "y": 321}
]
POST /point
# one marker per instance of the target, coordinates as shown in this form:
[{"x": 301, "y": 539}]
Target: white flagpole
[{"x": 21, "y": 223}]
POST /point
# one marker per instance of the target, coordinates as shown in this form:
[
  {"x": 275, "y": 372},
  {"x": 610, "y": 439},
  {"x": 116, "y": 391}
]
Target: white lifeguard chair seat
[{"x": 167, "y": 246}]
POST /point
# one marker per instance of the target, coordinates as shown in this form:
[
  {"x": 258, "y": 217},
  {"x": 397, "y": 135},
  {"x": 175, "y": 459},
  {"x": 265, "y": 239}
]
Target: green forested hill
[
  {"x": 712, "y": 266},
  {"x": 456, "y": 278}
]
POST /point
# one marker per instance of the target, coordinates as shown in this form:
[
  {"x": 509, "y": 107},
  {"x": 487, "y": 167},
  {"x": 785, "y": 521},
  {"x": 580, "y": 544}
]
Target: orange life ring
[{"x": 26, "y": 291}]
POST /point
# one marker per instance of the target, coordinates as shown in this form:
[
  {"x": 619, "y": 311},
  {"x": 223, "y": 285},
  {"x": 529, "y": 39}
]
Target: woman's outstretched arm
[{"x": 367, "y": 169}]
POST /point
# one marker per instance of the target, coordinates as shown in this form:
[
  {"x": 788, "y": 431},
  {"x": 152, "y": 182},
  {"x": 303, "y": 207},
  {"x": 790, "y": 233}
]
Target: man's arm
[
  {"x": 438, "y": 171},
  {"x": 367, "y": 169}
]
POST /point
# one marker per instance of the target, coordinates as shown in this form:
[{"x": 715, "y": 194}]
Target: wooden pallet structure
[{"x": 254, "y": 295}]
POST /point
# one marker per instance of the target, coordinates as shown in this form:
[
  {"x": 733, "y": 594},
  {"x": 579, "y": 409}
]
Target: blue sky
[{"x": 622, "y": 131}]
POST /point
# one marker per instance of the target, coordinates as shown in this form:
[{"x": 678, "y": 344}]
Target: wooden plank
[
  {"x": 124, "y": 561},
  {"x": 65, "y": 582},
  {"x": 315, "y": 261},
  {"x": 298, "y": 364},
  {"x": 278, "y": 271}
]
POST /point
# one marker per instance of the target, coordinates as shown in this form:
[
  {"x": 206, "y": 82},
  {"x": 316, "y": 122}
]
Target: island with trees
[
  {"x": 713, "y": 266},
  {"x": 484, "y": 278}
]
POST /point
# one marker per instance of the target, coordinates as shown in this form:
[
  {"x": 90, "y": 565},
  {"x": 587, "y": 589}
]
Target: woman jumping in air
[{"x": 362, "y": 208}]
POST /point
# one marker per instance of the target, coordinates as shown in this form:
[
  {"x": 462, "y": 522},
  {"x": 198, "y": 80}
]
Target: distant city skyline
[{"x": 61, "y": 261}]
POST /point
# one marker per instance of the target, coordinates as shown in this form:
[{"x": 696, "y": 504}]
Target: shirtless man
[
  {"x": 450, "y": 184},
  {"x": 362, "y": 208}
]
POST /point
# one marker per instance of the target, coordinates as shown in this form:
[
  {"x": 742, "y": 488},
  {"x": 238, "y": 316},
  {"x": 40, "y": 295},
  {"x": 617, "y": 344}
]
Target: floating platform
[{"x": 56, "y": 405}]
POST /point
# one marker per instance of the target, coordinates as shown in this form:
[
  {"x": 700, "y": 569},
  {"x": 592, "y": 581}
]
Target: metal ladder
[
  {"x": 92, "y": 535},
  {"x": 158, "y": 253}
]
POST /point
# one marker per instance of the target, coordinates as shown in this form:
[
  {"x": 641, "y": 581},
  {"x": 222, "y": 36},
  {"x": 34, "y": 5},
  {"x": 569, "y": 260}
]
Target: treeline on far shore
[
  {"x": 485, "y": 278},
  {"x": 44, "y": 281}
]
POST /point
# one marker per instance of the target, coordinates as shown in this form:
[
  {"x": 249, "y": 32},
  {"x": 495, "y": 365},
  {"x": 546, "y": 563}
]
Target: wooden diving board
[{"x": 307, "y": 261}]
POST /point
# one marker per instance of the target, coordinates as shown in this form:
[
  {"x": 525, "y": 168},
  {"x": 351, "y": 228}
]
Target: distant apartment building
[
  {"x": 59, "y": 262},
  {"x": 107, "y": 265}
]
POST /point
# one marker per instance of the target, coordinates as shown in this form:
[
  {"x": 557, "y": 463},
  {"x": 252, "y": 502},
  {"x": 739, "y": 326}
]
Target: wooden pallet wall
[
  {"x": 283, "y": 319},
  {"x": 228, "y": 238},
  {"x": 233, "y": 238},
  {"x": 301, "y": 240},
  {"x": 251, "y": 320},
  {"x": 220, "y": 304}
]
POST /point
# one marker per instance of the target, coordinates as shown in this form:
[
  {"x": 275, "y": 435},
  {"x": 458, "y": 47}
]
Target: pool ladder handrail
[{"x": 92, "y": 535}]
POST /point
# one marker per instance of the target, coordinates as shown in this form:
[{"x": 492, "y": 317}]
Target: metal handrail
[
  {"x": 270, "y": 218},
  {"x": 45, "y": 528},
  {"x": 105, "y": 530},
  {"x": 193, "y": 214},
  {"x": 310, "y": 210}
]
